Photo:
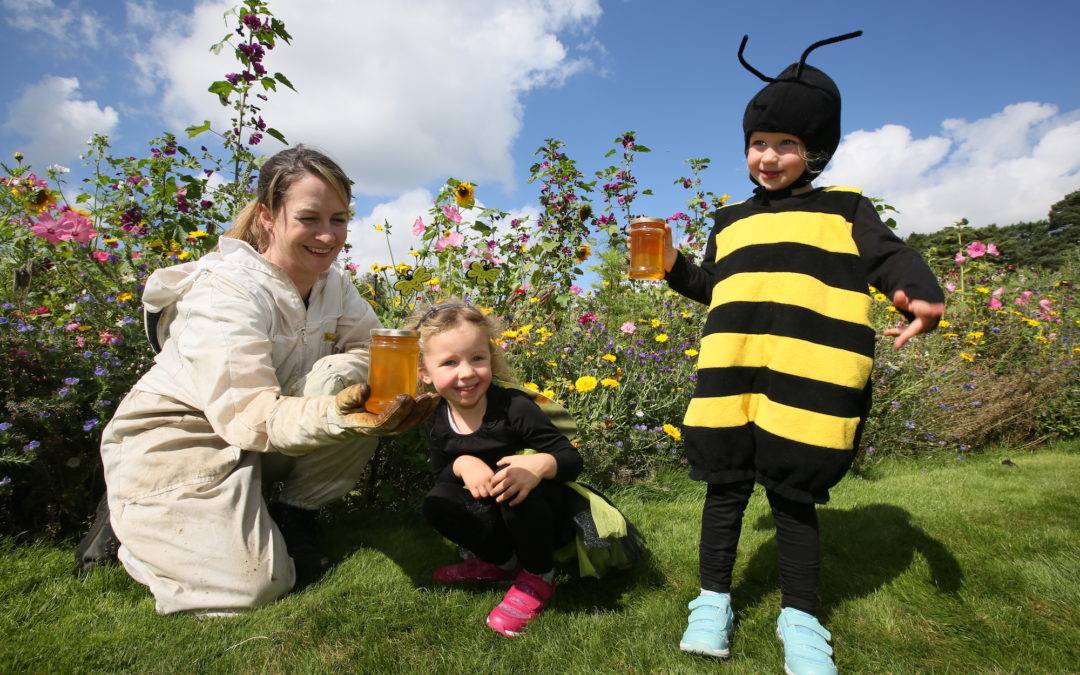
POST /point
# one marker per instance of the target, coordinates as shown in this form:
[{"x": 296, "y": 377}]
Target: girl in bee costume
[{"x": 783, "y": 382}]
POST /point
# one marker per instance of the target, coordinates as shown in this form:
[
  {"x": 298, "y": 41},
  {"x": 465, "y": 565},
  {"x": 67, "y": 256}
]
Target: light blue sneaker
[
  {"x": 709, "y": 629},
  {"x": 806, "y": 644}
]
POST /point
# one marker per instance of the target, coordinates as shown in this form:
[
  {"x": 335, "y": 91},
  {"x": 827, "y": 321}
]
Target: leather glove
[{"x": 403, "y": 413}]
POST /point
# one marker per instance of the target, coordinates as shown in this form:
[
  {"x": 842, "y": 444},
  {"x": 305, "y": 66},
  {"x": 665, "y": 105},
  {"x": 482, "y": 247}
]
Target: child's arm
[
  {"x": 520, "y": 474},
  {"x": 555, "y": 459},
  {"x": 899, "y": 272},
  {"x": 684, "y": 276},
  {"x": 476, "y": 475}
]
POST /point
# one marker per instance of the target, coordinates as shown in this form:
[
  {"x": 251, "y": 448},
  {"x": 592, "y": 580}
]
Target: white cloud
[
  {"x": 399, "y": 93},
  {"x": 56, "y": 122},
  {"x": 1005, "y": 168},
  {"x": 57, "y": 22}
]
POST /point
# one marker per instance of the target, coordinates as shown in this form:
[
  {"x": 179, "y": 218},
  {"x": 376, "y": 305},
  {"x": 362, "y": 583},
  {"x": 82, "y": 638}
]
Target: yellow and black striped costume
[{"x": 783, "y": 379}]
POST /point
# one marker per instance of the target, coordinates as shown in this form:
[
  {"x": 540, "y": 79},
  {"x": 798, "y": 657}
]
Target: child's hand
[
  {"x": 475, "y": 474},
  {"x": 927, "y": 315},
  {"x": 520, "y": 474},
  {"x": 670, "y": 254}
]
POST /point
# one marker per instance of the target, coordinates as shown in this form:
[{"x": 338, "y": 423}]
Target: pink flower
[
  {"x": 628, "y": 328},
  {"x": 79, "y": 227},
  {"x": 950, "y": 286},
  {"x": 998, "y": 291},
  {"x": 49, "y": 229},
  {"x": 135, "y": 255},
  {"x": 418, "y": 226},
  {"x": 107, "y": 338},
  {"x": 352, "y": 267},
  {"x": 992, "y": 249},
  {"x": 452, "y": 213},
  {"x": 976, "y": 249},
  {"x": 74, "y": 325},
  {"x": 80, "y": 341},
  {"x": 101, "y": 256},
  {"x": 576, "y": 290},
  {"x": 1023, "y": 298},
  {"x": 959, "y": 258},
  {"x": 449, "y": 241},
  {"x": 586, "y": 318},
  {"x": 1046, "y": 305},
  {"x": 995, "y": 303}
]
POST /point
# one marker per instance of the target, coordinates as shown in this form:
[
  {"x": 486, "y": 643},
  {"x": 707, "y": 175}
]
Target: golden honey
[
  {"x": 395, "y": 358},
  {"x": 647, "y": 248}
]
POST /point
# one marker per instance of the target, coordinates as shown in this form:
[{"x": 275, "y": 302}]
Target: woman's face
[
  {"x": 775, "y": 160},
  {"x": 307, "y": 232}
]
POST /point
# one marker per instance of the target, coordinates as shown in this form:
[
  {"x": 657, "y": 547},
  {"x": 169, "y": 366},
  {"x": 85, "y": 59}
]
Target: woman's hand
[
  {"x": 927, "y": 315},
  {"x": 520, "y": 474},
  {"x": 403, "y": 413},
  {"x": 476, "y": 475}
]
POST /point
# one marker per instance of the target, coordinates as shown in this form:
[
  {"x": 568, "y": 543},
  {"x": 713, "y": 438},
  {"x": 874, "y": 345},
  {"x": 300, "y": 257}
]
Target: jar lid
[
  {"x": 394, "y": 332},
  {"x": 648, "y": 220}
]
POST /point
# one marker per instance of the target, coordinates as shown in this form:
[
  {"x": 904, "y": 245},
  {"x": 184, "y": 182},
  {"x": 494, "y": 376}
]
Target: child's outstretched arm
[
  {"x": 686, "y": 278},
  {"x": 926, "y": 317},
  {"x": 899, "y": 272}
]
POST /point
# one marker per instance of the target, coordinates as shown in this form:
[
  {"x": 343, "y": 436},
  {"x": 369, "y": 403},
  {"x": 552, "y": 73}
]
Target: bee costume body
[{"x": 783, "y": 382}]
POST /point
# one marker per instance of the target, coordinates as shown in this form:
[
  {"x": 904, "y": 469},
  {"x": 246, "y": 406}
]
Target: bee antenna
[
  {"x": 749, "y": 67},
  {"x": 819, "y": 43}
]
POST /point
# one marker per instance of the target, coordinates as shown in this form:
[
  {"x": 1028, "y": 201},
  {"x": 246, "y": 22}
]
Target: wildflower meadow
[{"x": 620, "y": 354}]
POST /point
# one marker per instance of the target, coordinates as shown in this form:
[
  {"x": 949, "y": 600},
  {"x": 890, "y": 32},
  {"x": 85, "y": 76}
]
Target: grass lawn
[{"x": 966, "y": 566}]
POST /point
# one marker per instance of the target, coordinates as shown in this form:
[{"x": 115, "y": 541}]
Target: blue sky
[{"x": 951, "y": 109}]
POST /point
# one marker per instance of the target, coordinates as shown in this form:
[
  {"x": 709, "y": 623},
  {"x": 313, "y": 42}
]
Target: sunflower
[
  {"x": 583, "y": 252},
  {"x": 465, "y": 195}
]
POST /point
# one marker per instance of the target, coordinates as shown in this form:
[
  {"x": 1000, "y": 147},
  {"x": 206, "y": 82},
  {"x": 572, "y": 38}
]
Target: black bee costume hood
[{"x": 802, "y": 101}]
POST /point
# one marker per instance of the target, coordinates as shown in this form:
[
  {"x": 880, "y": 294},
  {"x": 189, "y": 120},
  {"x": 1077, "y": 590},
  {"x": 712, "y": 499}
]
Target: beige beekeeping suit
[{"x": 241, "y": 392}]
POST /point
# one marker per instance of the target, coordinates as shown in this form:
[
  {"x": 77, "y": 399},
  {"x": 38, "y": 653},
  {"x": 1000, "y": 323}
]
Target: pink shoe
[
  {"x": 471, "y": 571},
  {"x": 522, "y": 603}
]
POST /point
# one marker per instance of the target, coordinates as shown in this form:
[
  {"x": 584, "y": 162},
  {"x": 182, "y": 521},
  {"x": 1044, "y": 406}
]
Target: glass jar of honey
[
  {"x": 647, "y": 248},
  {"x": 395, "y": 360}
]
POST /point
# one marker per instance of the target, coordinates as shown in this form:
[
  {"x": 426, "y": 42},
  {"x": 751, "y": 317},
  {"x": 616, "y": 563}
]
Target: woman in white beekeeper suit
[{"x": 260, "y": 342}]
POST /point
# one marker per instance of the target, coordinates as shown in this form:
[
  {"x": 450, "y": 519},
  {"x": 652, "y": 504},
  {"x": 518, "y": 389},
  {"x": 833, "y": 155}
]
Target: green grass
[{"x": 939, "y": 566}]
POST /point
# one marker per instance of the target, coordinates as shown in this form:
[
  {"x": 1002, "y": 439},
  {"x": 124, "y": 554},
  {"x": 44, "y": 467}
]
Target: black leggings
[
  {"x": 796, "y": 538},
  {"x": 494, "y": 532}
]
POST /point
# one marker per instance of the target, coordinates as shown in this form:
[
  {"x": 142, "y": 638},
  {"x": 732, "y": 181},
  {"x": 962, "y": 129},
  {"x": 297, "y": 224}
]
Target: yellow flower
[
  {"x": 585, "y": 383},
  {"x": 880, "y": 297},
  {"x": 465, "y": 195},
  {"x": 531, "y": 386},
  {"x": 873, "y": 290},
  {"x": 982, "y": 289},
  {"x": 548, "y": 393},
  {"x": 414, "y": 253},
  {"x": 533, "y": 300},
  {"x": 967, "y": 357},
  {"x": 950, "y": 335},
  {"x": 975, "y": 336},
  {"x": 610, "y": 358},
  {"x": 379, "y": 227},
  {"x": 403, "y": 268},
  {"x": 183, "y": 256},
  {"x": 1032, "y": 322},
  {"x": 685, "y": 314},
  {"x": 124, "y": 297},
  {"x": 552, "y": 364},
  {"x": 662, "y": 337},
  {"x": 583, "y": 252},
  {"x": 608, "y": 382},
  {"x": 724, "y": 198},
  {"x": 484, "y": 310},
  {"x": 524, "y": 330},
  {"x": 691, "y": 352},
  {"x": 376, "y": 267},
  {"x": 655, "y": 323},
  {"x": 673, "y": 431},
  {"x": 890, "y": 308},
  {"x": 433, "y": 281},
  {"x": 1042, "y": 339},
  {"x": 512, "y": 334}
]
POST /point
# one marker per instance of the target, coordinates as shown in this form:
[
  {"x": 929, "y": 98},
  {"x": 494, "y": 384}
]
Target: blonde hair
[
  {"x": 441, "y": 317},
  {"x": 276, "y": 176}
]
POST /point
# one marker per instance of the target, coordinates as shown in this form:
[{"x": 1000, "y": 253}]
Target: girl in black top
[{"x": 508, "y": 509}]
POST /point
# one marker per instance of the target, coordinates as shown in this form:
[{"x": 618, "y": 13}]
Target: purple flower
[
  {"x": 5, "y": 481},
  {"x": 969, "y": 386},
  {"x": 90, "y": 424},
  {"x": 100, "y": 371},
  {"x": 910, "y": 424},
  {"x": 31, "y": 446},
  {"x": 88, "y": 354},
  {"x": 252, "y": 21},
  {"x": 3, "y": 320},
  {"x": 870, "y": 449},
  {"x": 4, "y": 426},
  {"x": 62, "y": 392},
  {"x": 255, "y": 139},
  {"x": 71, "y": 381}
]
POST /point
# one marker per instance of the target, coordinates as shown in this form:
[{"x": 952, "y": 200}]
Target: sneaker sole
[
  {"x": 705, "y": 651},
  {"x": 780, "y": 637}
]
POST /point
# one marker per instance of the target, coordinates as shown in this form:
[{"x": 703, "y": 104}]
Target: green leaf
[
  {"x": 82, "y": 198},
  {"x": 284, "y": 80},
  {"x": 194, "y": 130},
  {"x": 641, "y": 148},
  {"x": 223, "y": 90},
  {"x": 647, "y": 191},
  {"x": 271, "y": 131},
  {"x": 482, "y": 228},
  {"x": 268, "y": 83},
  {"x": 216, "y": 48},
  {"x": 609, "y": 153},
  {"x": 891, "y": 222}
]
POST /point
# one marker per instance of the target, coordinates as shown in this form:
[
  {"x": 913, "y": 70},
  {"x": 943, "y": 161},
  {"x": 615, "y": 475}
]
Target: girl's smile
[
  {"x": 775, "y": 160},
  {"x": 457, "y": 362}
]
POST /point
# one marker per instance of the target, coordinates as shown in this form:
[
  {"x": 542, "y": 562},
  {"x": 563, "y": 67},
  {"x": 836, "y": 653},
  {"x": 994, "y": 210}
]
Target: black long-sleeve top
[{"x": 512, "y": 422}]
